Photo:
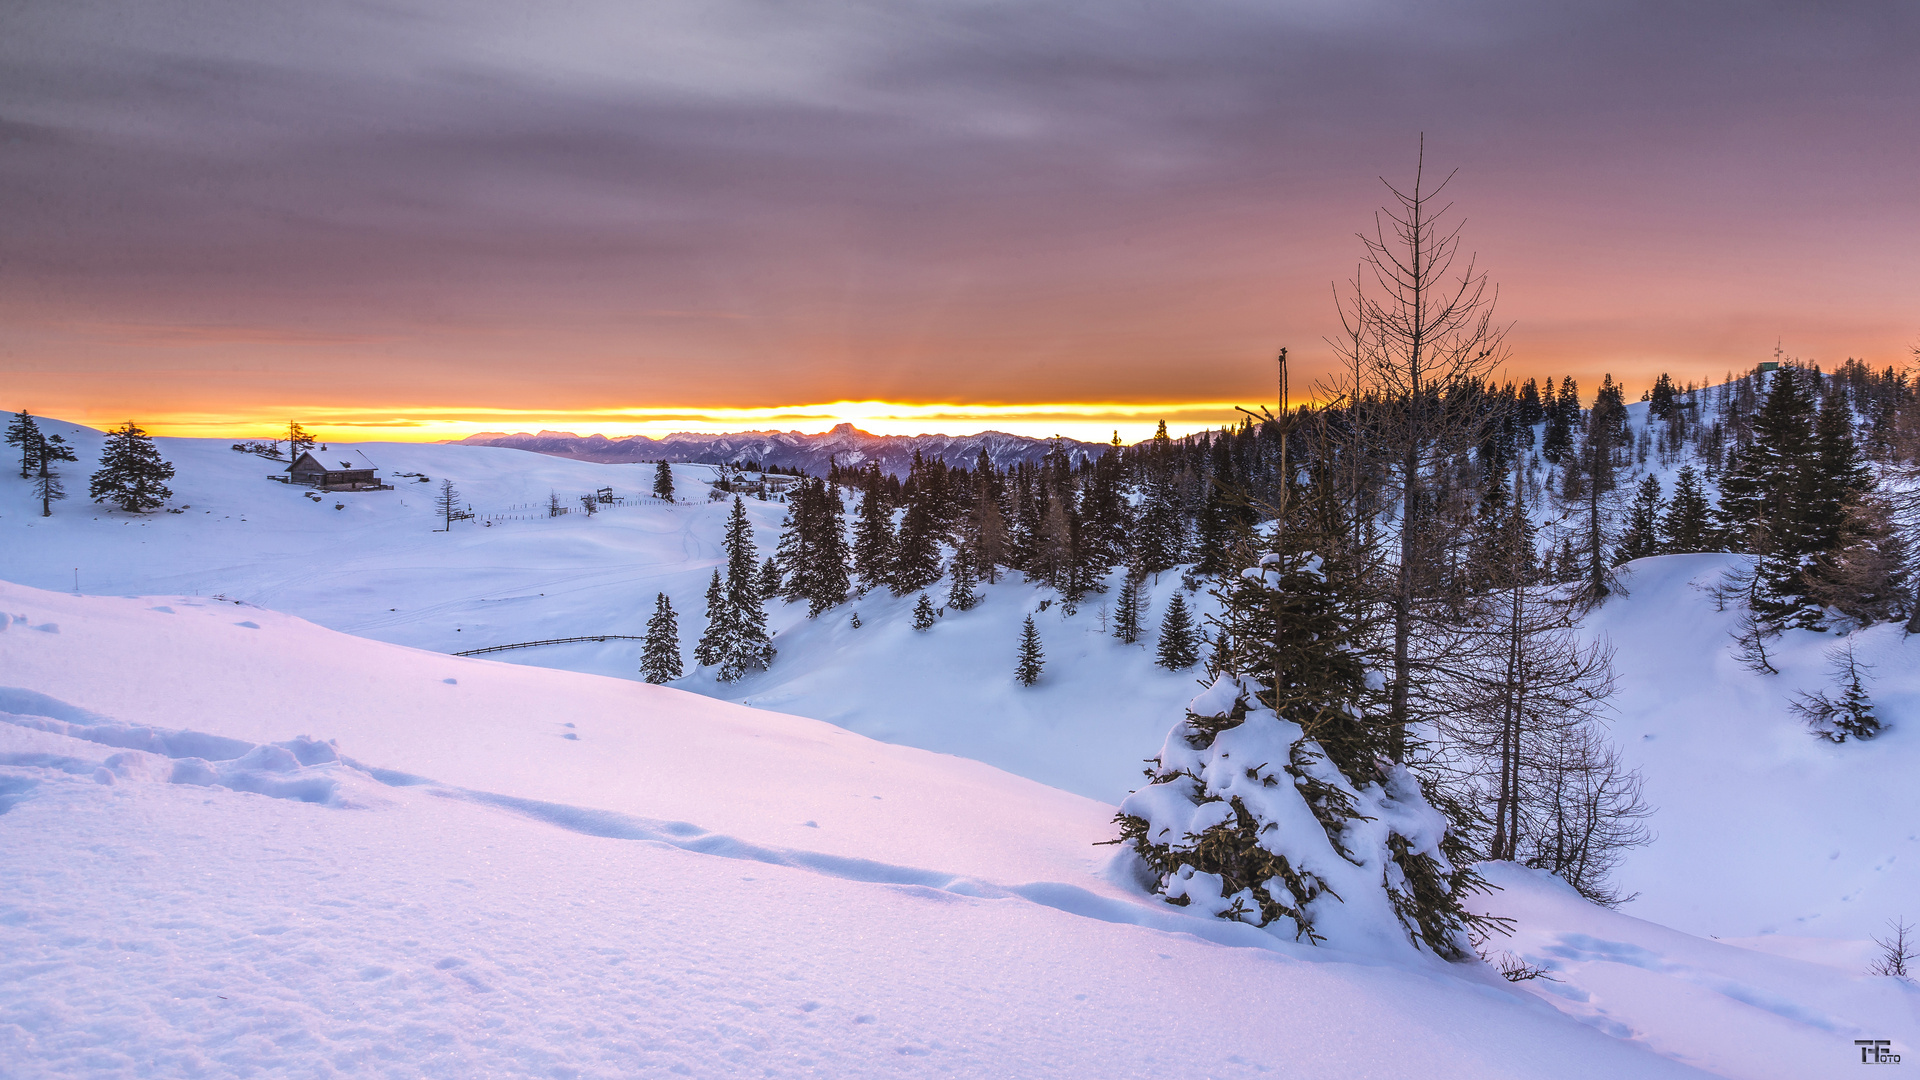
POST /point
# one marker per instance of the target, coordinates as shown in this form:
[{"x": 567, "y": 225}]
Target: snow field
[{"x": 685, "y": 888}]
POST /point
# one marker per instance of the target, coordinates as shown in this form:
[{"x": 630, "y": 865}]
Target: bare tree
[
  {"x": 1414, "y": 332},
  {"x": 447, "y": 502},
  {"x": 1896, "y": 950}
]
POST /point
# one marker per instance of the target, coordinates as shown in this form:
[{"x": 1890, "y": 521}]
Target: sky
[{"x": 419, "y": 219}]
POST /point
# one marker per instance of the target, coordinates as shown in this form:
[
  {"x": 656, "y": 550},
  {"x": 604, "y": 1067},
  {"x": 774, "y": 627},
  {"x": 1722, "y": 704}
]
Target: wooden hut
[{"x": 307, "y": 470}]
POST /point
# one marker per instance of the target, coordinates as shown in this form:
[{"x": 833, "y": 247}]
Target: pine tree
[
  {"x": 298, "y": 441},
  {"x": 716, "y": 642},
  {"x": 1641, "y": 537},
  {"x": 916, "y": 551},
  {"x": 1688, "y": 525},
  {"x": 46, "y": 486},
  {"x": 961, "y": 595},
  {"x": 1032, "y": 659},
  {"x": 663, "y": 482},
  {"x": 1178, "y": 647},
  {"x": 1563, "y": 414},
  {"x": 1848, "y": 715},
  {"x": 1126, "y": 609},
  {"x": 660, "y": 657},
  {"x": 769, "y": 585},
  {"x": 873, "y": 535},
  {"x": 923, "y": 614},
  {"x": 25, "y": 434},
  {"x": 131, "y": 472},
  {"x": 1772, "y": 505},
  {"x": 1660, "y": 398},
  {"x": 749, "y": 647},
  {"x": 1161, "y": 538},
  {"x": 855, "y": 621}
]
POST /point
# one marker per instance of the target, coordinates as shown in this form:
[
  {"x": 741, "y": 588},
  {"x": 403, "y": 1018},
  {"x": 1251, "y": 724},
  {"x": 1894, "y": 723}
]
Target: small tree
[
  {"x": 1032, "y": 659},
  {"x": 554, "y": 506},
  {"x": 770, "y": 583},
  {"x": 715, "y": 641},
  {"x": 131, "y": 472},
  {"x": 1688, "y": 526},
  {"x": 589, "y": 504},
  {"x": 25, "y": 434},
  {"x": 1179, "y": 644},
  {"x": 923, "y": 614},
  {"x": 1642, "y": 535},
  {"x": 47, "y": 486},
  {"x": 663, "y": 482},
  {"x": 1126, "y": 610},
  {"x": 855, "y": 621},
  {"x": 960, "y": 594},
  {"x": 660, "y": 658},
  {"x": 1834, "y": 717},
  {"x": 446, "y": 502},
  {"x": 297, "y": 439},
  {"x": 1897, "y": 950}
]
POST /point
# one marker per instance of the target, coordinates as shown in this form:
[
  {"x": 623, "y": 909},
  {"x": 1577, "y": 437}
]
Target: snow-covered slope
[{"x": 324, "y": 855}]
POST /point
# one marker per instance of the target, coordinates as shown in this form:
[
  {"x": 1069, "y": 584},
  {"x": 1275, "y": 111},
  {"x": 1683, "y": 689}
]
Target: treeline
[{"x": 132, "y": 475}]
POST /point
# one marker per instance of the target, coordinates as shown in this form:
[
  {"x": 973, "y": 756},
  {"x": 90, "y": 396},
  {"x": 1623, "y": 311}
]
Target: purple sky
[{"x": 219, "y": 209}]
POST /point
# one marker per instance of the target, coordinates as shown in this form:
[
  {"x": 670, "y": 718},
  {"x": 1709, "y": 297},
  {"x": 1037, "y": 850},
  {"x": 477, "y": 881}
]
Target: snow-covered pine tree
[
  {"x": 1126, "y": 609},
  {"x": 1032, "y": 659},
  {"x": 923, "y": 613},
  {"x": 1688, "y": 524},
  {"x": 716, "y": 641},
  {"x": 1836, "y": 718},
  {"x": 1292, "y": 818},
  {"x": 1178, "y": 648},
  {"x": 663, "y": 482},
  {"x": 131, "y": 472},
  {"x": 855, "y": 621},
  {"x": 873, "y": 534},
  {"x": 749, "y": 646},
  {"x": 1161, "y": 538},
  {"x": 660, "y": 655},
  {"x": 769, "y": 585},
  {"x": 916, "y": 551},
  {"x": 25, "y": 434},
  {"x": 1770, "y": 504},
  {"x": 961, "y": 593},
  {"x": 1641, "y": 537}
]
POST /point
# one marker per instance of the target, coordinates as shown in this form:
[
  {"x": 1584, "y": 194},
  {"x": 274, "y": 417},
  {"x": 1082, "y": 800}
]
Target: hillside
[
  {"x": 1791, "y": 851},
  {"x": 456, "y": 867}
]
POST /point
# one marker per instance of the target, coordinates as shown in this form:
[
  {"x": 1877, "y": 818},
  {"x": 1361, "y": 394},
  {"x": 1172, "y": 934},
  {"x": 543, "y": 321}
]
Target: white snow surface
[
  {"x": 593, "y": 886},
  {"x": 465, "y": 868}
]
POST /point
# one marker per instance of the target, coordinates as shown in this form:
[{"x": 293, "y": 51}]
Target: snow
[
  {"x": 534, "y": 863},
  {"x": 690, "y": 887}
]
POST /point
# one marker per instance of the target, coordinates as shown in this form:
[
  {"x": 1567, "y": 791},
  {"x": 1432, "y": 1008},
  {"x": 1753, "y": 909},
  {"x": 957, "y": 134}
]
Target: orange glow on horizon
[{"x": 1087, "y": 421}]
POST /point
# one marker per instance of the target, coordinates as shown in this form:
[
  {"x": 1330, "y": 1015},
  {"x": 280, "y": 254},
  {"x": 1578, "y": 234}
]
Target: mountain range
[{"x": 845, "y": 444}]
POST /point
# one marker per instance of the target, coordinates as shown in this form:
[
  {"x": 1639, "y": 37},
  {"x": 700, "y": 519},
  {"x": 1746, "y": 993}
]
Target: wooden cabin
[{"x": 308, "y": 470}]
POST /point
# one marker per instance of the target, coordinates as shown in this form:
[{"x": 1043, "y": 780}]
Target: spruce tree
[
  {"x": 1126, "y": 609},
  {"x": 660, "y": 657},
  {"x": 663, "y": 482},
  {"x": 131, "y": 472},
  {"x": 770, "y": 585},
  {"x": 1253, "y": 808},
  {"x": 923, "y": 614},
  {"x": 1688, "y": 525},
  {"x": 1178, "y": 646},
  {"x": 1641, "y": 537},
  {"x": 961, "y": 595},
  {"x": 873, "y": 535},
  {"x": 1032, "y": 659},
  {"x": 25, "y": 434},
  {"x": 916, "y": 551},
  {"x": 749, "y": 646},
  {"x": 1773, "y": 505},
  {"x": 716, "y": 641}
]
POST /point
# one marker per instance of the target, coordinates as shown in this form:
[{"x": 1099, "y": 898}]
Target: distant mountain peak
[{"x": 814, "y": 454}]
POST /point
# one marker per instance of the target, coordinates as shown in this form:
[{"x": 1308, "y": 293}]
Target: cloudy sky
[{"x": 1034, "y": 214}]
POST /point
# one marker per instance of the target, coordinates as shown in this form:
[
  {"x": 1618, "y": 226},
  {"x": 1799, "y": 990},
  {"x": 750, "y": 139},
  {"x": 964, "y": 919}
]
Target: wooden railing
[{"x": 550, "y": 641}]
